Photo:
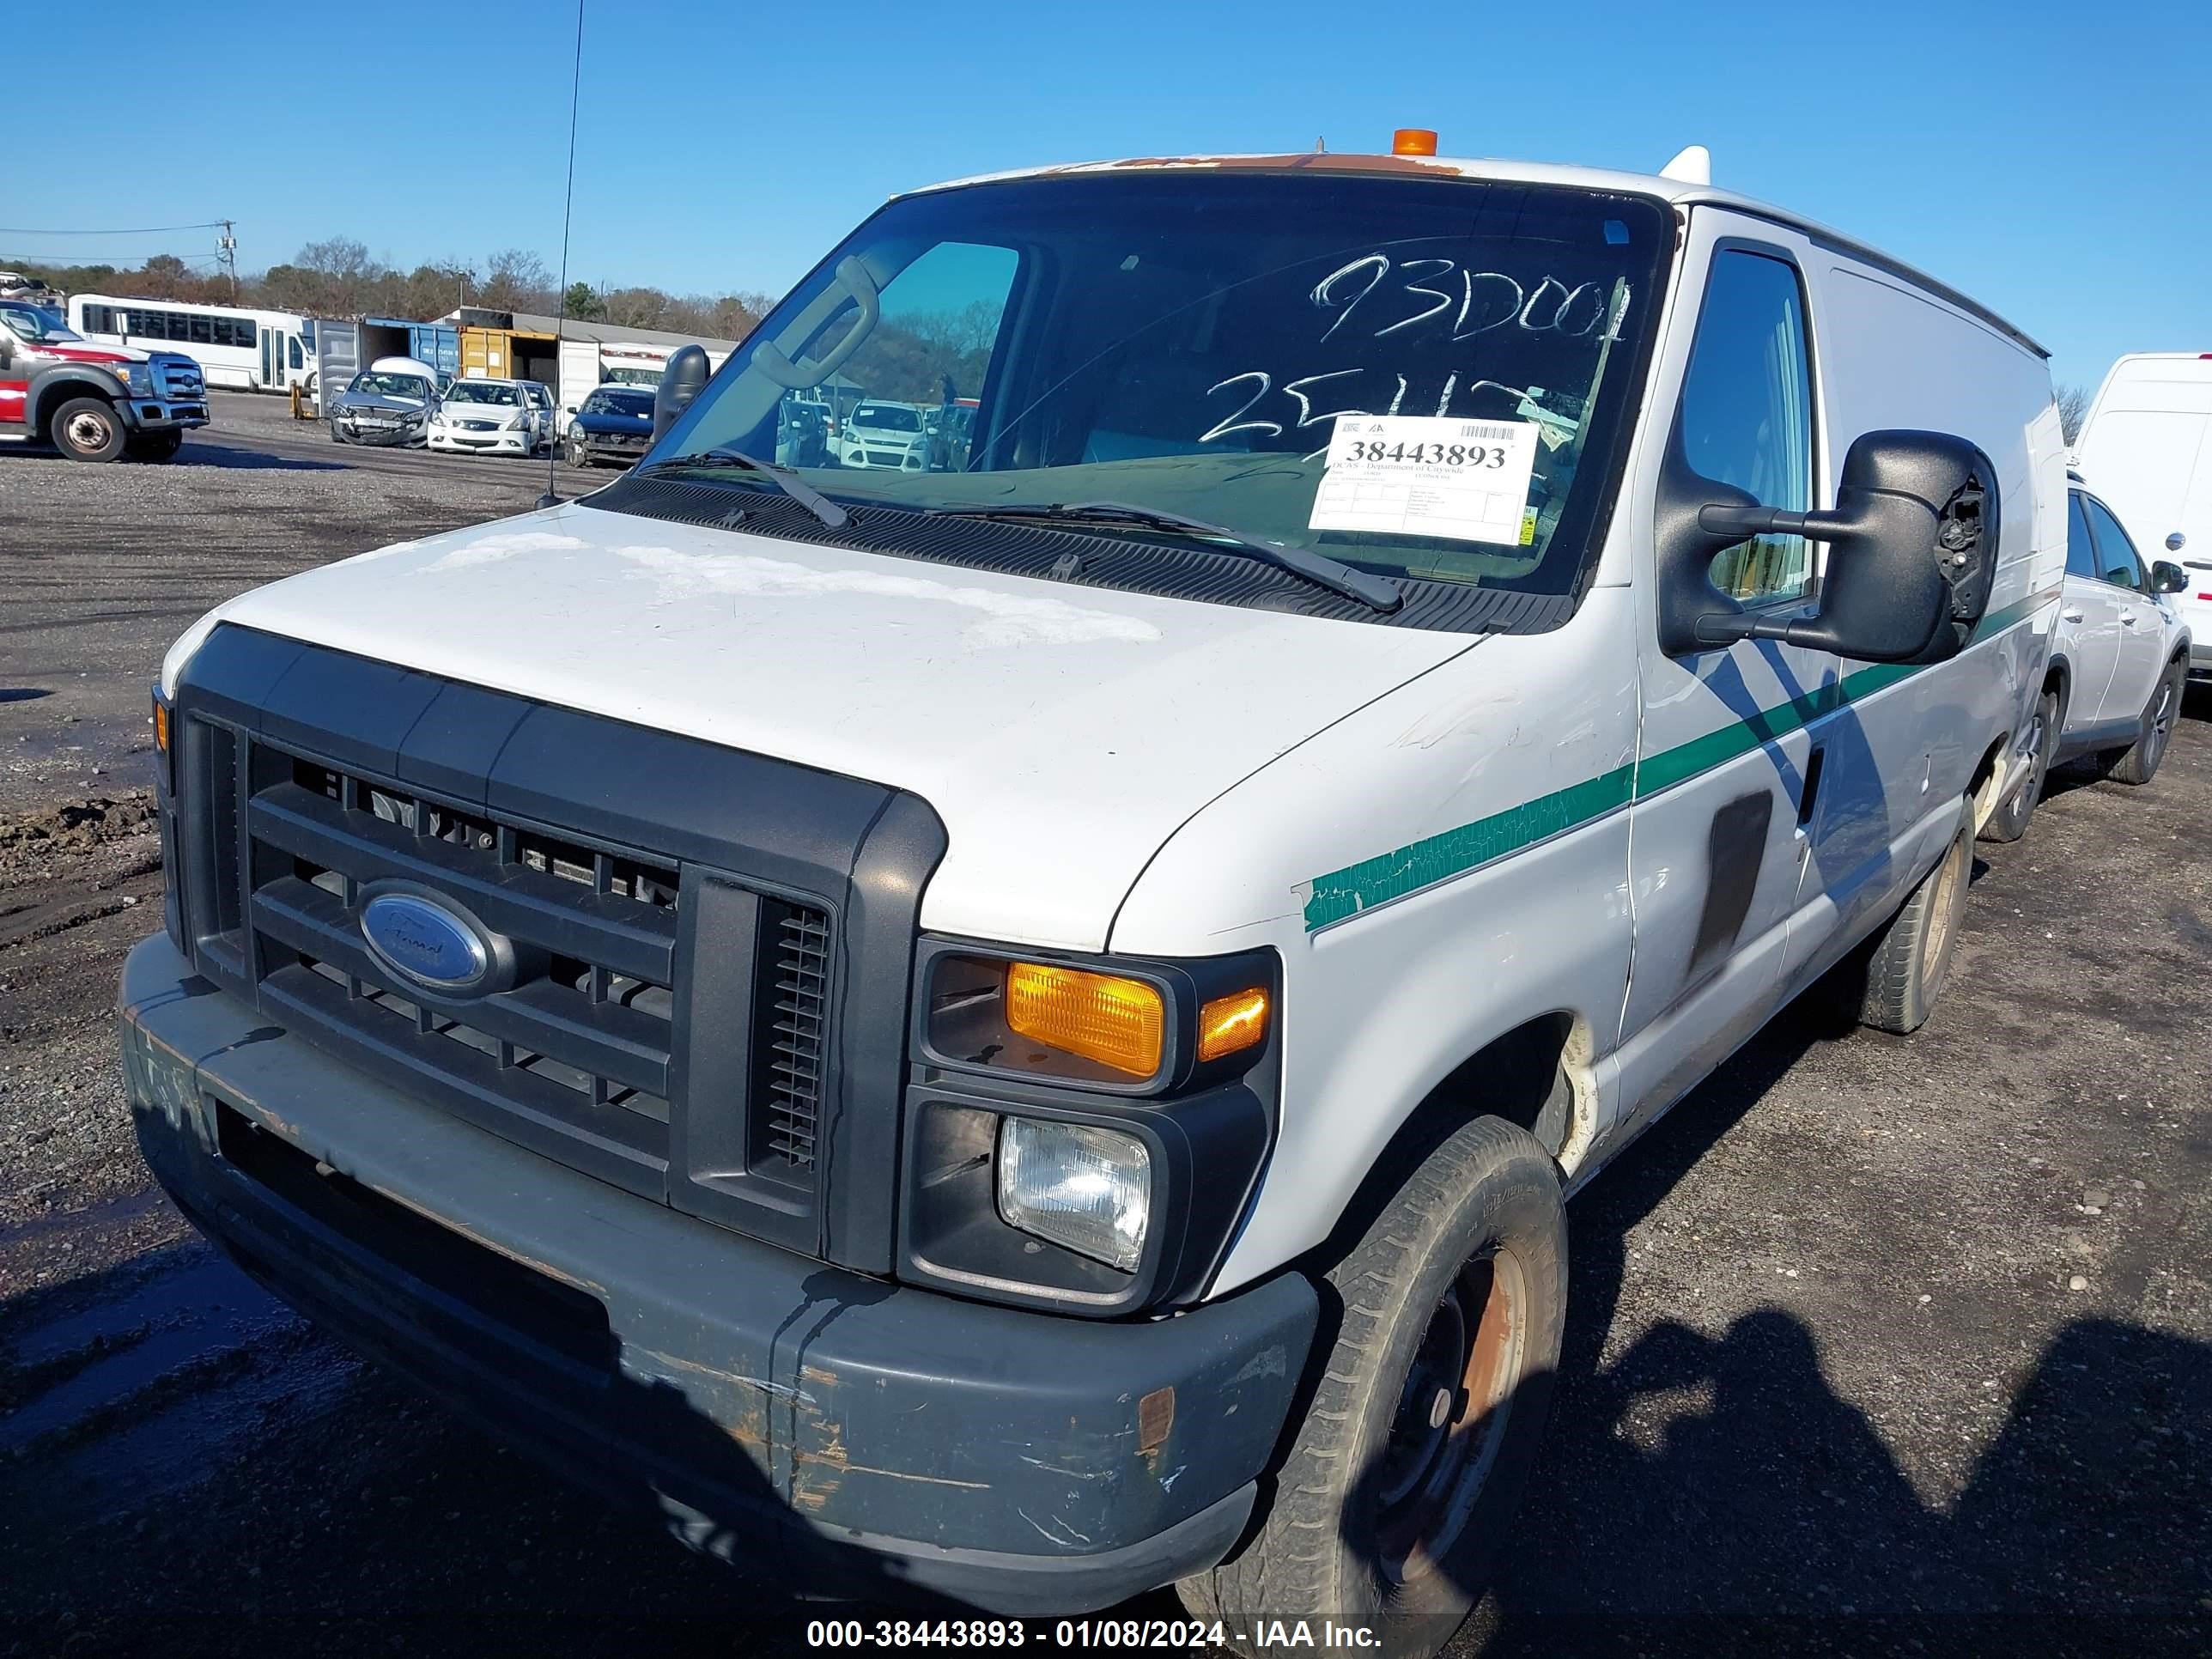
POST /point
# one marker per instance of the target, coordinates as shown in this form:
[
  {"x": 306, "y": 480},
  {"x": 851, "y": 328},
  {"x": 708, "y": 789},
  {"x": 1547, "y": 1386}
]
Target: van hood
[{"x": 1060, "y": 732}]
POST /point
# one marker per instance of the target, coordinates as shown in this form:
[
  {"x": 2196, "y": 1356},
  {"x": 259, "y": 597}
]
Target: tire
[
  {"x": 2009, "y": 822},
  {"x": 2138, "y": 763},
  {"x": 154, "y": 445},
  {"x": 1455, "y": 1294},
  {"x": 87, "y": 429},
  {"x": 1911, "y": 957}
]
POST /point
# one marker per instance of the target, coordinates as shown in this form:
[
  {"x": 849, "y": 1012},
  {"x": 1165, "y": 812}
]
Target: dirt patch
[{"x": 29, "y": 842}]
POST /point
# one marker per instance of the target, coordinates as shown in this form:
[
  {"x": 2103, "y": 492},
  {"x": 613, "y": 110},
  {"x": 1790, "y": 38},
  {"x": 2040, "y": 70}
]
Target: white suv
[{"x": 2125, "y": 645}]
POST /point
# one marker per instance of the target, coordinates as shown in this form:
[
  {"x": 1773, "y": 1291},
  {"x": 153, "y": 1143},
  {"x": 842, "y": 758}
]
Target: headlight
[
  {"x": 139, "y": 377},
  {"x": 1083, "y": 1134},
  {"x": 1076, "y": 1185}
]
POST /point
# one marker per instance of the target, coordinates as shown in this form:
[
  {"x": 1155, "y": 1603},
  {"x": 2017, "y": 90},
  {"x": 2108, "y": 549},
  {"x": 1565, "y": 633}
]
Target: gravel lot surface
[{"x": 1874, "y": 1344}]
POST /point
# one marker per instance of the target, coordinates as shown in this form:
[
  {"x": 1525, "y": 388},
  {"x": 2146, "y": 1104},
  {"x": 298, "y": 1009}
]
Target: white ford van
[
  {"x": 1020, "y": 1034},
  {"x": 2146, "y": 447}
]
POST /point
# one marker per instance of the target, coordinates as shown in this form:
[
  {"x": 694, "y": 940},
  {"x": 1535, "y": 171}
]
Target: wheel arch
[
  {"x": 1540, "y": 1076},
  {"x": 51, "y": 390}
]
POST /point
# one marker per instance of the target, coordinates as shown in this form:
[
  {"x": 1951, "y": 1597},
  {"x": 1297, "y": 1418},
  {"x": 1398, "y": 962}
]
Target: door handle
[
  {"x": 2070, "y": 615},
  {"x": 2127, "y": 619}
]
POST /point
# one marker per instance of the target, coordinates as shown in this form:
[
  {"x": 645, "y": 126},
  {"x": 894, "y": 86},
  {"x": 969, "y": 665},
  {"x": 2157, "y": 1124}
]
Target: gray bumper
[
  {"x": 857, "y": 1436},
  {"x": 161, "y": 415}
]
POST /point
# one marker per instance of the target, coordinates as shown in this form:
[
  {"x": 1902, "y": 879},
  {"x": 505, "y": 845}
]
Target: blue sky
[{"x": 2054, "y": 161}]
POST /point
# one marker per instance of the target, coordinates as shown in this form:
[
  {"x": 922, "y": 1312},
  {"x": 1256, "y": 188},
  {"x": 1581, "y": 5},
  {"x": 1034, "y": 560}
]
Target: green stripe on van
[{"x": 1438, "y": 858}]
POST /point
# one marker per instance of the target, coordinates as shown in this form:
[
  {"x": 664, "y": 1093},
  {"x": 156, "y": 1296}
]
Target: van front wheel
[
  {"x": 1913, "y": 957},
  {"x": 1429, "y": 1409}
]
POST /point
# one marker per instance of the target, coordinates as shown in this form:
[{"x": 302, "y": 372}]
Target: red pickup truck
[{"x": 94, "y": 403}]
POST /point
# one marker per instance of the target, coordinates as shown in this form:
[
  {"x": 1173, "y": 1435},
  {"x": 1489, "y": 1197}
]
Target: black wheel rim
[{"x": 1451, "y": 1416}]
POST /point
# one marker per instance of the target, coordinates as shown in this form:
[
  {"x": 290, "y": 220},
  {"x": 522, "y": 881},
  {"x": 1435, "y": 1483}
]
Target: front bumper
[
  {"x": 161, "y": 414},
  {"x": 600, "y": 447},
  {"x": 480, "y": 443},
  {"x": 856, "y": 1436},
  {"x": 385, "y": 436}
]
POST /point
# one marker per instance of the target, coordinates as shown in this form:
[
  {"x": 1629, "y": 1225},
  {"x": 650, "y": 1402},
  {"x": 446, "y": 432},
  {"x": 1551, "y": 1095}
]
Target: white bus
[{"x": 251, "y": 350}]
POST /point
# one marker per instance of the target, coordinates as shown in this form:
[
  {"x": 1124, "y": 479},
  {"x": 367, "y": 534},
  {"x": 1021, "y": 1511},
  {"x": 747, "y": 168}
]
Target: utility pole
[{"x": 227, "y": 251}]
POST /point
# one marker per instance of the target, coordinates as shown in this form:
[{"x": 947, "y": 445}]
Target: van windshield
[{"x": 1196, "y": 341}]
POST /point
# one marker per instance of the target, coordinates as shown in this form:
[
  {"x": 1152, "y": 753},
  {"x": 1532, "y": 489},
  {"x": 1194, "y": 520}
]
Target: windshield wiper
[
  {"x": 782, "y": 477},
  {"x": 1377, "y": 593}
]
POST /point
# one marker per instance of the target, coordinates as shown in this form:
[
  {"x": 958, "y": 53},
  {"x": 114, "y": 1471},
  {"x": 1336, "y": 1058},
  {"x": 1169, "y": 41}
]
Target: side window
[
  {"x": 244, "y": 330},
  {"x": 203, "y": 331},
  {"x": 298, "y": 361},
  {"x": 2117, "y": 557},
  {"x": 2080, "y": 551},
  {"x": 1747, "y": 413}
]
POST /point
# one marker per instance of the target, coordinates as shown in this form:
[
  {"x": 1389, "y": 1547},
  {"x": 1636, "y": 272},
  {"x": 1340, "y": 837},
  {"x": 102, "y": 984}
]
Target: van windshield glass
[{"x": 1191, "y": 341}]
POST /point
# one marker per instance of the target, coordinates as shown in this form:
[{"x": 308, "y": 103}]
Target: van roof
[{"x": 1674, "y": 191}]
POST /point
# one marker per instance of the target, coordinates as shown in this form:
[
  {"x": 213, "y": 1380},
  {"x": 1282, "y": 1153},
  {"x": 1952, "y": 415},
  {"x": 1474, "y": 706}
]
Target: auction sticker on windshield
[{"x": 1427, "y": 475}]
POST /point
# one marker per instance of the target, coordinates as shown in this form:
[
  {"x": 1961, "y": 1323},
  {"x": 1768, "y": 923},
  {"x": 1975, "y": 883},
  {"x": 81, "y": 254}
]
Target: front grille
[
  {"x": 179, "y": 377},
  {"x": 577, "y": 1052},
  {"x": 582, "y": 1036}
]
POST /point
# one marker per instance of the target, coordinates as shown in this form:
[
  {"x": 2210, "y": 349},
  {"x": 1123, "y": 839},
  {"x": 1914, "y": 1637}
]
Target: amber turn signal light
[
  {"x": 161, "y": 729},
  {"x": 1413, "y": 141},
  {"x": 1103, "y": 1016},
  {"x": 1231, "y": 1024}
]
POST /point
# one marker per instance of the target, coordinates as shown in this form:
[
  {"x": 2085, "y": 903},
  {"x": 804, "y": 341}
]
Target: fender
[{"x": 52, "y": 384}]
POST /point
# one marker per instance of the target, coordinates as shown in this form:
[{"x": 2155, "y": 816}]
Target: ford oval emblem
[{"x": 421, "y": 939}]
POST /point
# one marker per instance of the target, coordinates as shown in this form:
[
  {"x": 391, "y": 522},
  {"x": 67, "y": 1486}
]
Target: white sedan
[{"x": 490, "y": 418}]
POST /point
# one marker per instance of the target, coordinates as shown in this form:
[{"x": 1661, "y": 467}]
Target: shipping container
[{"x": 509, "y": 353}]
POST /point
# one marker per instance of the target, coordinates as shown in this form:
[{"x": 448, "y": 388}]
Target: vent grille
[{"x": 790, "y": 1087}]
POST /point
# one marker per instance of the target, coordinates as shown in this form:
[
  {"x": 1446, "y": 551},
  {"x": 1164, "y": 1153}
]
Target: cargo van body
[
  {"x": 2146, "y": 447},
  {"x": 1018, "y": 1028}
]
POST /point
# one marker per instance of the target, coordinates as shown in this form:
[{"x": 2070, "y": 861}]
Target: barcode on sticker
[{"x": 1494, "y": 433}]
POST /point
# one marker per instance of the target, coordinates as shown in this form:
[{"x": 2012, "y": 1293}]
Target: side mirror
[
  {"x": 2167, "y": 577},
  {"x": 1912, "y": 545},
  {"x": 684, "y": 379}
]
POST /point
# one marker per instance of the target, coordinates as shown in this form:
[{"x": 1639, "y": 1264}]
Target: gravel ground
[{"x": 1874, "y": 1344}]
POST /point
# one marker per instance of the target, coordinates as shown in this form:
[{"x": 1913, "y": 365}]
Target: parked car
[
  {"x": 878, "y": 433},
  {"x": 388, "y": 403},
  {"x": 2147, "y": 447},
  {"x": 614, "y": 425},
  {"x": 91, "y": 401},
  {"x": 492, "y": 417},
  {"x": 1023, "y": 1034},
  {"x": 2124, "y": 642}
]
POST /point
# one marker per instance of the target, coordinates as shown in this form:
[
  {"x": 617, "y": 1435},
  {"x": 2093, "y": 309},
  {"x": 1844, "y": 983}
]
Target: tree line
[{"x": 338, "y": 278}]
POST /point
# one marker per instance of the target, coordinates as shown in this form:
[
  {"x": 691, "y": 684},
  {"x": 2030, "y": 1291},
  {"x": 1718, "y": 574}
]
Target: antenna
[
  {"x": 1692, "y": 166},
  {"x": 561, "y": 299}
]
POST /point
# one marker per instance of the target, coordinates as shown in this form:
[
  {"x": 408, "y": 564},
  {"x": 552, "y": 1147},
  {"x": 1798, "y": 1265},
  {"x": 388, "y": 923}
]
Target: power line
[{"x": 141, "y": 230}]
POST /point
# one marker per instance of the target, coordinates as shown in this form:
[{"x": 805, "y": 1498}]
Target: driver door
[{"x": 1727, "y": 768}]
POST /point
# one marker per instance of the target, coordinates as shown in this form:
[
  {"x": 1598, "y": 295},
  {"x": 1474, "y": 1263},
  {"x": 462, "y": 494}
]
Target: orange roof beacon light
[{"x": 1413, "y": 141}]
